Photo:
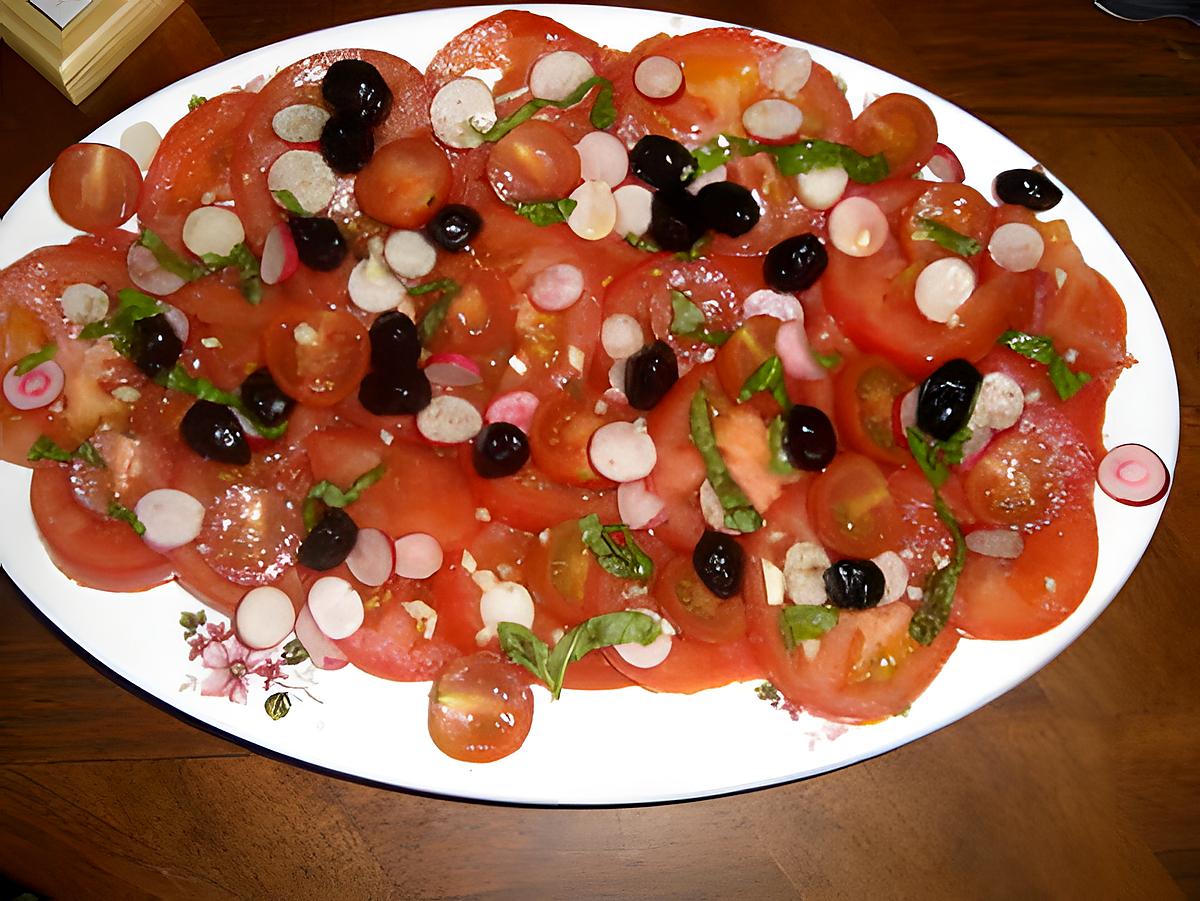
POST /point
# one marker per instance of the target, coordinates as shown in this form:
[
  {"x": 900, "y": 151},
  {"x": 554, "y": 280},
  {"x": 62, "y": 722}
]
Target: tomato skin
[
  {"x": 323, "y": 373},
  {"x": 480, "y": 709},
  {"x": 899, "y": 126},
  {"x": 405, "y": 182},
  {"x": 851, "y": 508},
  {"x": 558, "y": 442},
  {"x": 867, "y": 389},
  {"x": 94, "y": 187},
  {"x": 693, "y": 666},
  {"x": 694, "y": 610},
  {"x": 534, "y": 162},
  {"x": 389, "y": 646}
]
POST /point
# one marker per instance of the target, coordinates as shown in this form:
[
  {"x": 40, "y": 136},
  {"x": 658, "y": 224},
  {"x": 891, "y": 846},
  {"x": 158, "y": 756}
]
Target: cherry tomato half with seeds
[
  {"x": 480, "y": 709},
  {"x": 318, "y": 359},
  {"x": 94, "y": 186}
]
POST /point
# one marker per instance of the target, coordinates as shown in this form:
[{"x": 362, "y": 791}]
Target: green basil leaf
[
  {"x": 330, "y": 495},
  {"x": 928, "y": 457},
  {"x": 696, "y": 251},
  {"x": 123, "y": 513},
  {"x": 132, "y": 306},
  {"x": 525, "y": 649},
  {"x": 739, "y": 512},
  {"x": 45, "y": 449},
  {"x": 289, "y": 202},
  {"x": 688, "y": 321},
  {"x": 827, "y": 361},
  {"x": 179, "y": 379},
  {"x": 779, "y": 464},
  {"x": 196, "y": 101},
  {"x": 242, "y": 259},
  {"x": 32, "y": 361},
  {"x": 278, "y": 705},
  {"x": 88, "y": 454},
  {"x": 1066, "y": 382},
  {"x": 642, "y": 243},
  {"x": 169, "y": 259},
  {"x": 767, "y": 377},
  {"x": 548, "y": 212},
  {"x": 192, "y": 621},
  {"x": 1040, "y": 349},
  {"x": 604, "y": 631},
  {"x": 294, "y": 652},
  {"x": 615, "y": 550},
  {"x": 805, "y": 622},
  {"x": 602, "y": 108},
  {"x": 944, "y": 236},
  {"x": 435, "y": 313},
  {"x": 604, "y": 111},
  {"x": 941, "y": 584},
  {"x": 795, "y": 159}
]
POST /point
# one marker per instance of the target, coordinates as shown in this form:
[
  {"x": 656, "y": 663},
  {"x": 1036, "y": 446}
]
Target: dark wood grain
[{"x": 1085, "y": 780}]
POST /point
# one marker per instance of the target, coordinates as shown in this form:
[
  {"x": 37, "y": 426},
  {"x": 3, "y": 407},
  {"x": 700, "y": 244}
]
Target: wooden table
[{"x": 1085, "y": 779}]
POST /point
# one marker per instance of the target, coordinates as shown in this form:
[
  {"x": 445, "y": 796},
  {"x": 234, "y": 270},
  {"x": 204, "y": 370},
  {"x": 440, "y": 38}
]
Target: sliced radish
[
  {"x": 765, "y": 302},
  {"x": 711, "y": 177},
  {"x": 622, "y": 451},
  {"x": 895, "y": 575},
  {"x": 822, "y": 188},
  {"x": 146, "y": 273},
  {"x": 254, "y": 438},
  {"x": 1133, "y": 475},
  {"x": 945, "y": 165},
  {"x": 179, "y": 322},
  {"x": 787, "y": 71},
  {"x": 1004, "y": 544},
  {"x": 1016, "y": 246},
  {"x": 658, "y": 77},
  {"x": 1000, "y": 403},
  {"x": 300, "y": 123},
  {"x": 602, "y": 157},
  {"x": 858, "y": 227},
  {"x": 621, "y": 336},
  {"x": 449, "y": 420},
  {"x": 280, "y": 259},
  {"x": 336, "y": 607},
  {"x": 908, "y": 409},
  {"x": 973, "y": 447},
  {"x": 461, "y": 110},
  {"x": 322, "y": 651},
  {"x": 37, "y": 388},
  {"x": 140, "y": 140},
  {"x": 83, "y": 303},
  {"x": 632, "y": 203},
  {"x": 556, "y": 287},
  {"x": 638, "y": 506},
  {"x": 516, "y": 407},
  {"x": 452, "y": 370},
  {"x": 943, "y": 286},
  {"x": 772, "y": 120},
  {"x": 418, "y": 556},
  {"x": 372, "y": 560},
  {"x": 306, "y": 176},
  {"x": 616, "y": 376},
  {"x": 372, "y": 287},
  {"x": 264, "y": 617},
  {"x": 712, "y": 509},
  {"x": 410, "y": 254},
  {"x": 791, "y": 344},
  {"x": 595, "y": 212},
  {"x": 172, "y": 518},
  {"x": 556, "y": 76},
  {"x": 648, "y": 656},
  {"x": 212, "y": 229}
]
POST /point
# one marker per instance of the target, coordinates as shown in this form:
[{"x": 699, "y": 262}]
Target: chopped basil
[
  {"x": 169, "y": 259},
  {"x": 294, "y": 652},
  {"x": 133, "y": 305},
  {"x": 1041, "y": 349},
  {"x": 196, "y": 101},
  {"x": 936, "y": 457},
  {"x": 45, "y": 449},
  {"x": 945, "y": 236},
  {"x": 739, "y": 512},
  {"x": 436, "y": 312},
  {"x": 642, "y": 243},
  {"x": 548, "y": 212},
  {"x": 805, "y": 622},
  {"x": 767, "y": 377},
  {"x": 32, "y": 361},
  {"x": 603, "y": 113},
  {"x": 123, "y": 513},
  {"x": 289, "y": 202},
  {"x": 278, "y": 705},
  {"x": 827, "y": 361},
  {"x": 330, "y": 495},
  {"x": 244, "y": 261},
  {"x": 934, "y": 613},
  {"x": 615, "y": 550},
  {"x": 696, "y": 251},
  {"x": 192, "y": 621},
  {"x": 687, "y": 321},
  {"x": 178, "y": 379},
  {"x": 794, "y": 159},
  {"x": 779, "y": 463}
]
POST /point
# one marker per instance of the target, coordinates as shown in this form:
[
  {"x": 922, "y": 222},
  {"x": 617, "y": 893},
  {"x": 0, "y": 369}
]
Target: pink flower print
[
  {"x": 202, "y": 639},
  {"x": 231, "y": 663}
]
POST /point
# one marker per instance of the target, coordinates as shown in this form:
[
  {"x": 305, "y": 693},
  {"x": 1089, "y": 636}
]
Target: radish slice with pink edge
[
  {"x": 822, "y": 188},
  {"x": 557, "y": 75},
  {"x": 146, "y": 273},
  {"x": 945, "y": 165},
  {"x": 83, "y": 304},
  {"x": 372, "y": 559},
  {"x": 791, "y": 345},
  {"x": 556, "y": 287},
  {"x": 1016, "y": 246},
  {"x": 141, "y": 140},
  {"x": 452, "y": 370},
  {"x": 172, "y": 518},
  {"x": 895, "y": 575},
  {"x": 449, "y": 420},
  {"x": 622, "y": 451},
  {"x": 787, "y": 71},
  {"x": 372, "y": 286},
  {"x": 908, "y": 409},
  {"x": 336, "y": 606},
  {"x": 212, "y": 229},
  {"x": 322, "y": 650},
  {"x": 179, "y": 322},
  {"x": 858, "y": 227},
  {"x": 515, "y": 407},
  {"x": 418, "y": 556},
  {"x": 621, "y": 336},
  {"x": 942, "y": 287},
  {"x": 37, "y": 388},
  {"x": 658, "y": 78},
  {"x": 306, "y": 176},
  {"x": 300, "y": 123},
  {"x": 772, "y": 120},
  {"x": 1133, "y": 474},
  {"x": 765, "y": 302},
  {"x": 648, "y": 656},
  {"x": 602, "y": 157},
  {"x": 280, "y": 259},
  {"x": 264, "y": 617},
  {"x": 1003, "y": 544},
  {"x": 638, "y": 506}
]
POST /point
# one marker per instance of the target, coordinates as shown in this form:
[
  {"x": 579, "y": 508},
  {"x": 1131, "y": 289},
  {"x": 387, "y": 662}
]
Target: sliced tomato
[
  {"x": 693, "y": 666},
  {"x": 957, "y": 207},
  {"x": 902, "y": 128},
  {"x": 783, "y": 215},
  {"x": 389, "y": 646},
  {"x": 851, "y": 507},
  {"x": 534, "y": 162},
  {"x": 562, "y": 429},
  {"x": 94, "y": 187},
  {"x": 218, "y": 310},
  {"x": 694, "y": 610},
  {"x": 557, "y": 572},
  {"x": 481, "y": 317},
  {"x": 868, "y": 388},
  {"x": 405, "y": 182},
  {"x": 679, "y": 472},
  {"x": 324, "y": 369},
  {"x": 747, "y": 349},
  {"x": 594, "y": 673}
]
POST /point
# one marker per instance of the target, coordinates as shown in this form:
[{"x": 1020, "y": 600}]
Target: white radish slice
[
  {"x": 765, "y": 302},
  {"x": 711, "y": 177},
  {"x": 1133, "y": 474},
  {"x": 648, "y": 656},
  {"x": 556, "y": 287},
  {"x": 772, "y": 120},
  {"x": 172, "y": 518},
  {"x": 786, "y": 72},
  {"x": 300, "y": 123},
  {"x": 178, "y": 320},
  {"x": 638, "y": 506},
  {"x": 945, "y": 165},
  {"x": 37, "y": 388},
  {"x": 942, "y": 287},
  {"x": 602, "y": 157},
  {"x": 895, "y": 576},
  {"x": 306, "y": 176},
  {"x": 632, "y": 204},
  {"x": 908, "y": 409},
  {"x": 83, "y": 303},
  {"x": 791, "y": 345},
  {"x": 515, "y": 407},
  {"x": 973, "y": 447},
  {"x": 452, "y": 370},
  {"x": 621, "y": 336},
  {"x": 622, "y": 451},
  {"x": 822, "y": 188},
  {"x": 505, "y": 602},
  {"x": 140, "y": 140},
  {"x": 212, "y": 229},
  {"x": 1004, "y": 544},
  {"x": 658, "y": 77},
  {"x": 616, "y": 376},
  {"x": 1016, "y": 246},
  {"x": 146, "y": 273},
  {"x": 556, "y": 76},
  {"x": 449, "y": 420},
  {"x": 595, "y": 212},
  {"x": 410, "y": 254},
  {"x": 418, "y": 556},
  {"x": 280, "y": 260},
  {"x": 372, "y": 560},
  {"x": 712, "y": 509},
  {"x": 461, "y": 110},
  {"x": 372, "y": 287},
  {"x": 322, "y": 651},
  {"x": 1000, "y": 403},
  {"x": 336, "y": 607},
  {"x": 858, "y": 227},
  {"x": 264, "y": 617}
]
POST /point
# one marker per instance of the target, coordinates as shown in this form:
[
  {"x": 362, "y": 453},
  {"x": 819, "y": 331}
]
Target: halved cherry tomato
[
  {"x": 317, "y": 371},
  {"x": 557, "y": 572},
  {"x": 558, "y": 442},
  {"x": 955, "y": 206},
  {"x": 694, "y": 610},
  {"x": 94, "y": 187},
  {"x": 852, "y": 509},
  {"x": 902, "y": 128},
  {"x": 867, "y": 390},
  {"x": 480, "y": 708},
  {"x": 405, "y": 182},
  {"x": 533, "y": 162}
]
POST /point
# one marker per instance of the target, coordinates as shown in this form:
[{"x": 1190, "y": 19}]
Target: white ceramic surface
[{"x": 628, "y": 746}]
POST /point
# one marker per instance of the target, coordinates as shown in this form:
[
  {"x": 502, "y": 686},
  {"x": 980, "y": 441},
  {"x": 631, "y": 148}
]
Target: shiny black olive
[
  {"x": 347, "y": 143},
  {"x": 808, "y": 438},
  {"x": 718, "y": 560},
  {"x": 212, "y": 431},
  {"x": 264, "y": 399},
  {"x": 728, "y": 208},
  {"x": 946, "y": 397},
  {"x": 675, "y": 220},
  {"x": 795, "y": 263},
  {"x": 1027, "y": 188},
  {"x": 395, "y": 344},
  {"x": 395, "y": 393},
  {"x": 662, "y": 162},
  {"x": 500, "y": 449},
  {"x": 453, "y": 226},
  {"x": 319, "y": 242},
  {"x": 355, "y": 88},
  {"x": 155, "y": 345},
  {"x": 854, "y": 584},
  {"x": 330, "y": 541},
  {"x": 650, "y": 374}
]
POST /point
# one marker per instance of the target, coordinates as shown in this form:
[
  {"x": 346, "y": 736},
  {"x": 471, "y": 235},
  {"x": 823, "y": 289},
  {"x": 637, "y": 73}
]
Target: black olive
[
  {"x": 395, "y": 344},
  {"x": 718, "y": 560},
  {"x": 854, "y": 584},
  {"x": 1027, "y": 188},
  {"x": 347, "y": 143},
  {"x": 650, "y": 374},
  {"x": 662, "y": 162},
  {"x": 808, "y": 438},
  {"x": 500, "y": 449},
  {"x": 319, "y": 242},
  {"x": 330, "y": 541},
  {"x": 264, "y": 399},
  {"x": 355, "y": 88},
  {"x": 395, "y": 393},
  {"x": 155, "y": 345},
  {"x": 946, "y": 397},
  {"x": 212, "y": 431},
  {"x": 728, "y": 208},
  {"x": 453, "y": 226},
  {"x": 795, "y": 263},
  {"x": 675, "y": 220}
]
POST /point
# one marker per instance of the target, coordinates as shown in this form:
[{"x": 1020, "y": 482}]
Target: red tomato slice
[
  {"x": 94, "y": 187},
  {"x": 328, "y": 369},
  {"x": 694, "y": 610},
  {"x": 558, "y": 442},
  {"x": 902, "y": 128},
  {"x": 389, "y": 646},
  {"x": 680, "y": 469},
  {"x": 404, "y": 183},
  {"x": 557, "y": 573},
  {"x": 217, "y": 309},
  {"x": 853, "y": 512},
  {"x": 693, "y": 666},
  {"x": 532, "y": 163}
]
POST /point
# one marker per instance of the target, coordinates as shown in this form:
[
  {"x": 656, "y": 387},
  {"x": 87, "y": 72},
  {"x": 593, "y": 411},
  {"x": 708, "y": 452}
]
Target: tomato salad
[{"x": 657, "y": 368}]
